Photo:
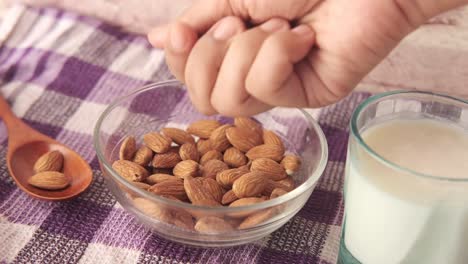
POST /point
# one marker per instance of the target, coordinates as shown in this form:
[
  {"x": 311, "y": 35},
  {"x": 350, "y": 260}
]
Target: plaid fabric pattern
[{"x": 59, "y": 70}]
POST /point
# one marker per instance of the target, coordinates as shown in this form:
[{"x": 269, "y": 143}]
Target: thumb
[
  {"x": 200, "y": 17},
  {"x": 271, "y": 78}
]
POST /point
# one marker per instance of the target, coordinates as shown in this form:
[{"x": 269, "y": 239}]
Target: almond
[
  {"x": 212, "y": 187},
  {"x": 211, "y": 155},
  {"x": 203, "y": 146},
  {"x": 219, "y": 140},
  {"x": 188, "y": 151},
  {"x": 212, "y": 167},
  {"x": 195, "y": 190},
  {"x": 130, "y": 170},
  {"x": 50, "y": 161},
  {"x": 291, "y": 163},
  {"x": 49, "y": 180},
  {"x": 257, "y": 218},
  {"x": 271, "y": 138},
  {"x": 229, "y": 197},
  {"x": 205, "y": 202},
  {"x": 277, "y": 192},
  {"x": 170, "y": 188},
  {"x": 212, "y": 225},
  {"x": 245, "y": 202},
  {"x": 153, "y": 210},
  {"x": 166, "y": 160},
  {"x": 127, "y": 149},
  {"x": 162, "y": 170},
  {"x": 182, "y": 219},
  {"x": 289, "y": 183},
  {"x": 203, "y": 128},
  {"x": 226, "y": 178},
  {"x": 177, "y": 135},
  {"x": 143, "y": 156},
  {"x": 283, "y": 184},
  {"x": 141, "y": 185},
  {"x": 266, "y": 151},
  {"x": 234, "y": 157},
  {"x": 270, "y": 167},
  {"x": 157, "y": 142},
  {"x": 243, "y": 139},
  {"x": 249, "y": 185},
  {"x": 160, "y": 177},
  {"x": 186, "y": 168},
  {"x": 248, "y": 123}
]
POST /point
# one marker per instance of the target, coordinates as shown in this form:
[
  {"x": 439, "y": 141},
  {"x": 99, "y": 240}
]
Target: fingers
[
  {"x": 178, "y": 44},
  {"x": 272, "y": 78},
  {"x": 206, "y": 58},
  {"x": 229, "y": 96}
]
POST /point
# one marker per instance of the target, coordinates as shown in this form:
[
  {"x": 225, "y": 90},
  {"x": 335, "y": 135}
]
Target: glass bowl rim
[
  {"x": 385, "y": 95},
  {"x": 312, "y": 179}
]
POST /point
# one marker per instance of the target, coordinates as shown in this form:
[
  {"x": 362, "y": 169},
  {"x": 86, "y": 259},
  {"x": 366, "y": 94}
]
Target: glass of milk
[{"x": 406, "y": 182}]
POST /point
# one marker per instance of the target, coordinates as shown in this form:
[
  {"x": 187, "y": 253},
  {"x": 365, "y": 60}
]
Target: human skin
[{"x": 239, "y": 58}]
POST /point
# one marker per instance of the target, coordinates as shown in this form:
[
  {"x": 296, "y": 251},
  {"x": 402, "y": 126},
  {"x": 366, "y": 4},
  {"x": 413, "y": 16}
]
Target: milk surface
[{"x": 393, "y": 216}]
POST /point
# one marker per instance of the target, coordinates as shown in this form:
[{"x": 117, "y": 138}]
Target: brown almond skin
[
  {"x": 157, "y": 142},
  {"x": 229, "y": 197},
  {"x": 143, "y": 156},
  {"x": 203, "y": 146},
  {"x": 141, "y": 185},
  {"x": 211, "y": 155},
  {"x": 249, "y": 185},
  {"x": 218, "y": 138},
  {"x": 50, "y": 161},
  {"x": 173, "y": 188},
  {"x": 227, "y": 177},
  {"x": 49, "y": 180},
  {"x": 257, "y": 218},
  {"x": 160, "y": 177},
  {"x": 234, "y": 157},
  {"x": 203, "y": 128},
  {"x": 130, "y": 170},
  {"x": 153, "y": 210},
  {"x": 177, "y": 135},
  {"x": 182, "y": 219},
  {"x": 286, "y": 184},
  {"x": 248, "y": 123},
  {"x": 277, "y": 192},
  {"x": 271, "y": 138},
  {"x": 212, "y": 187},
  {"x": 213, "y": 167},
  {"x": 188, "y": 151},
  {"x": 166, "y": 160},
  {"x": 266, "y": 151},
  {"x": 243, "y": 139},
  {"x": 186, "y": 168},
  {"x": 245, "y": 202},
  {"x": 212, "y": 225},
  {"x": 270, "y": 167},
  {"x": 128, "y": 148},
  {"x": 291, "y": 163},
  {"x": 195, "y": 190}
]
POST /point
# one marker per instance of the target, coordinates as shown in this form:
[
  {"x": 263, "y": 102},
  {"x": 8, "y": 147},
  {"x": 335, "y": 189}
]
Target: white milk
[{"x": 394, "y": 217}]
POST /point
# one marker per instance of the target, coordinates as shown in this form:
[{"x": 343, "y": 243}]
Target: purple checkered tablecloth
[{"x": 59, "y": 71}]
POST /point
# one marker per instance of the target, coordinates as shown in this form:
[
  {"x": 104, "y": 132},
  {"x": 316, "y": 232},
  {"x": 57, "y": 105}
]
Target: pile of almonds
[
  {"x": 48, "y": 172},
  {"x": 209, "y": 164}
]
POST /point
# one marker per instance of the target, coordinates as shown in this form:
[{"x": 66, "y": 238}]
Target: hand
[{"x": 236, "y": 70}]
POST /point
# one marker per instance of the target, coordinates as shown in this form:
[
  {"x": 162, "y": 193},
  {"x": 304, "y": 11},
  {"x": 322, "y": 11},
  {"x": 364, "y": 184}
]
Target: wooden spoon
[{"x": 26, "y": 145}]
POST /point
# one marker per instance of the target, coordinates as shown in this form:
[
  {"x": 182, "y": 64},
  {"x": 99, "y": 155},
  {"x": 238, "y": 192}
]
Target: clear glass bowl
[{"x": 167, "y": 104}]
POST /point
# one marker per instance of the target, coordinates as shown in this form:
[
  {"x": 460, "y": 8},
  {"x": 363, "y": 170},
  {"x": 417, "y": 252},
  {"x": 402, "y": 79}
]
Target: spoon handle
[{"x": 18, "y": 132}]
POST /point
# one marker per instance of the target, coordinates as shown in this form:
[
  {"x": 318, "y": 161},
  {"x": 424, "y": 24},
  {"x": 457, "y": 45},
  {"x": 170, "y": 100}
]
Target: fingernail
[
  {"x": 225, "y": 30},
  {"x": 274, "y": 24},
  {"x": 157, "y": 36},
  {"x": 303, "y": 30},
  {"x": 178, "y": 41}
]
